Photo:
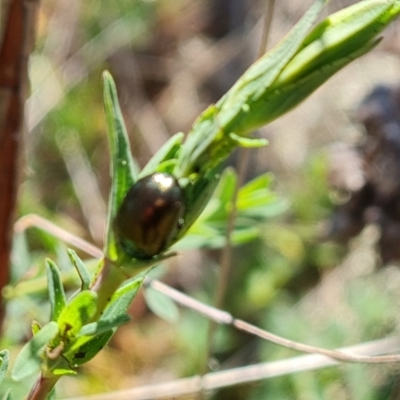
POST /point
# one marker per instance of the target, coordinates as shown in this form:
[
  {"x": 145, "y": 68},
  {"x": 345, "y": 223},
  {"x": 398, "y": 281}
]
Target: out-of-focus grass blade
[{"x": 161, "y": 305}]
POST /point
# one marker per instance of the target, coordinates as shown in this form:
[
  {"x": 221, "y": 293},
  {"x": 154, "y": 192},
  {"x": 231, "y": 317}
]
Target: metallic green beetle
[{"x": 150, "y": 216}]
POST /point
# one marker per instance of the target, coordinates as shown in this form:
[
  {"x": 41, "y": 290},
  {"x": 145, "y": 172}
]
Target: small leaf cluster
[{"x": 72, "y": 337}]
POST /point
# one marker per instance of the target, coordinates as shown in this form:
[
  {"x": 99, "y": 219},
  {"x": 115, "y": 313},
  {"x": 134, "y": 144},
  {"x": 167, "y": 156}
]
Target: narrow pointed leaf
[
  {"x": 168, "y": 151},
  {"x": 289, "y": 96},
  {"x": 124, "y": 170},
  {"x": 96, "y": 328},
  {"x": 336, "y": 41},
  {"x": 80, "y": 266},
  {"x": 56, "y": 290},
  {"x": 206, "y": 140},
  {"x": 122, "y": 299}
]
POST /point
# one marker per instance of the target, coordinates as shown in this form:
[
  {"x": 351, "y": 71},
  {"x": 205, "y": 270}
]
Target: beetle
[{"x": 150, "y": 215}]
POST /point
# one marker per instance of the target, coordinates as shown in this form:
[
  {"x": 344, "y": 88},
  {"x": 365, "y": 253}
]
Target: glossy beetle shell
[{"x": 150, "y": 215}]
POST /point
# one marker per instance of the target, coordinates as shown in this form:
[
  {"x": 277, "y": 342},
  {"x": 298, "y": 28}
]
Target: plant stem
[
  {"x": 42, "y": 388},
  {"x": 15, "y": 46},
  {"x": 106, "y": 282}
]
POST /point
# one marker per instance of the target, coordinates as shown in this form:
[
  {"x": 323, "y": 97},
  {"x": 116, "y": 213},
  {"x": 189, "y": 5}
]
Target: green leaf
[
  {"x": 226, "y": 188},
  {"x": 283, "y": 78},
  {"x": 256, "y": 200},
  {"x": 56, "y": 289},
  {"x": 197, "y": 195},
  {"x": 260, "y": 182},
  {"x": 291, "y": 94},
  {"x": 77, "y": 313},
  {"x": 255, "y": 203},
  {"x": 59, "y": 367},
  {"x": 8, "y": 395},
  {"x": 29, "y": 359},
  {"x": 209, "y": 141},
  {"x": 262, "y": 94},
  {"x": 244, "y": 235},
  {"x": 122, "y": 299},
  {"x": 96, "y": 328},
  {"x": 124, "y": 171},
  {"x": 339, "y": 35},
  {"x": 87, "y": 347},
  {"x": 4, "y": 361},
  {"x": 161, "y": 305},
  {"x": 167, "y": 152},
  {"x": 80, "y": 266}
]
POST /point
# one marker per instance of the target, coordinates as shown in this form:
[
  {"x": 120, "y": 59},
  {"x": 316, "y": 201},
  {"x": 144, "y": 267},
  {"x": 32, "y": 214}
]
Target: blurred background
[{"x": 323, "y": 272}]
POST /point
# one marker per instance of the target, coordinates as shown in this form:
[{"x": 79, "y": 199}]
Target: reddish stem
[{"x": 42, "y": 388}]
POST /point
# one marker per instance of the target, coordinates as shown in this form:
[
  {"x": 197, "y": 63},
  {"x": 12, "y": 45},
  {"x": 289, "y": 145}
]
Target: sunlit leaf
[{"x": 77, "y": 313}]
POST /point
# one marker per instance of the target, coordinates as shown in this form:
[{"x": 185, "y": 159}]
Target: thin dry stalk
[
  {"x": 242, "y": 375},
  {"x": 213, "y": 313}
]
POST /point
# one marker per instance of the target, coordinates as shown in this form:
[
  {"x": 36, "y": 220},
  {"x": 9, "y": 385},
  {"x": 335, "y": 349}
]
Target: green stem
[
  {"x": 107, "y": 281},
  {"x": 42, "y": 388}
]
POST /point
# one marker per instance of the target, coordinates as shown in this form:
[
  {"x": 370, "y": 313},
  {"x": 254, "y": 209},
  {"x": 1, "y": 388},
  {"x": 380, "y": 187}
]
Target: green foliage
[
  {"x": 56, "y": 290},
  {"x": 162, "y": 305},
  {"x": 78, "y": 312},
  {"x": 81, "y": 269},
  {"x": 82, "y": 325},
  {"x": 123, "y": 168},
  {"x": 256, "y": 202},
  {"x": 30, "y": 358},
  {"x": 93, "y": 337},
  {"x": 166, "y": 157},
  {"x": 4, "y": 361}
]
